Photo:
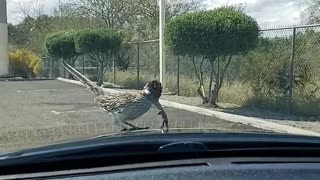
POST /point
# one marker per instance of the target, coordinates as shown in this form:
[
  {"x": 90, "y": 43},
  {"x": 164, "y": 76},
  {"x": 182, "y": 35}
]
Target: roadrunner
[{"x": 125, "y": 107}]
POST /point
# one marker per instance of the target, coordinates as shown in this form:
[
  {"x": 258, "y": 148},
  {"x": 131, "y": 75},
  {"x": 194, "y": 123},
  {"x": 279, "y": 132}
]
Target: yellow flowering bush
[{"x": 25, "y": 63}]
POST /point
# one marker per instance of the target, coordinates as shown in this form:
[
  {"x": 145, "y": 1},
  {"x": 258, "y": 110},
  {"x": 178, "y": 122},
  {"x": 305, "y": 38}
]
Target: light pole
[
  {"x": 162, "y": 17},
  {"x": 4, "y": 61}
]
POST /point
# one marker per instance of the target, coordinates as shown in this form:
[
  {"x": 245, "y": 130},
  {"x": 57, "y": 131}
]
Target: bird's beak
[
  {"x": 156, "y": 102},
  {"x": 153, "y": 100},
  {"x": 158, "y": 105},
  {"x": 146, "y": 91}
]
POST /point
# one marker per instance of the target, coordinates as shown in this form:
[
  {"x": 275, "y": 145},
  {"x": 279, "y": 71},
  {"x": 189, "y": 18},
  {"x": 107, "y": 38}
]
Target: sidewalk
[
  {"x": 306, "y": 123},
  {"x": 190, "y": 104}
]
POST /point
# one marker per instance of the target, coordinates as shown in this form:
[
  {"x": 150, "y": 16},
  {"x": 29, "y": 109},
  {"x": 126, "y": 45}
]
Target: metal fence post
[
  {"x": 178, "y": 77},
  {"x": 114, "y": 70},
  {"x": 64, "y": 72},
  {"x": 50, "y": 67},
  {"x": 83, "y": 64},
  {"x": 289, "y": 106},
  {"x": 138, "y": 64}
]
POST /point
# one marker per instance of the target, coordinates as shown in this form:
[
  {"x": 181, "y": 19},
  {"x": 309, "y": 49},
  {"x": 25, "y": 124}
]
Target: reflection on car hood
[
  {"x": 147, "y": 132},
  {"x": 177, "y": 131},
  {"x": 152, "y": 135}
]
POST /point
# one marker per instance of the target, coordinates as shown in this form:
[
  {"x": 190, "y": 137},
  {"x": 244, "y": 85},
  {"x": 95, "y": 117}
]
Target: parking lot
[{"x": 36, "y": 113}]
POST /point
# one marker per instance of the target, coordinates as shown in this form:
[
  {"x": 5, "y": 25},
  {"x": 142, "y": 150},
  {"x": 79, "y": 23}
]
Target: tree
[
  {"x": 111, "y": 13},
  {"x": 102, "y": 45},
  {"x": 147, "y": 12},
  {"x": 123, "y": 57},
  {"x": 266, "y": 67},
  {"x": 61, "y": 45},
  {"x": 16, "y": 35},
  {"x": 36, "y": 23},
  {"x": 267, "y": 70},
  {"x": 65, "y": 19},
  {"x": 311, "y": 15},
  {"x": 140, "y": 15},
  {"x": 214, "y": 36}
]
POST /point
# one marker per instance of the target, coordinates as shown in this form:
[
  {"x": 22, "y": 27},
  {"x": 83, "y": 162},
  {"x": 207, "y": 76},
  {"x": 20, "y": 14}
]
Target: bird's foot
[
  {"x": 165, "y": 121},
  {"x": 135, "y": 128},
  {"x": 141, "y": 128},
  {"x": 164, "y": 129}
]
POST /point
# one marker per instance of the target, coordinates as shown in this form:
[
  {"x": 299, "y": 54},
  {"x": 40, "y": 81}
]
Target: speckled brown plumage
[
  {"x": 118, "y": 101},
  {"x": 124, "y": 106}
]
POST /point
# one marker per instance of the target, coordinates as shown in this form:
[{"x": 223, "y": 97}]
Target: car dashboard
[
  {"x": 172, "y": 156},
  {"x": 214, "y": 168}
]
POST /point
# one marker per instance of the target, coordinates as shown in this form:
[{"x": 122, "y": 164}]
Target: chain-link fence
[
  {"x": 53, "y": 68},
  {"x": 142, "y": 64},
  {"x": 284, "y": 70},
  {"x": 280, "y": 74}
]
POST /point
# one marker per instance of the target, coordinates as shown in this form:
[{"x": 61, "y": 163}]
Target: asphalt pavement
[{"x": 36, "y": 113}]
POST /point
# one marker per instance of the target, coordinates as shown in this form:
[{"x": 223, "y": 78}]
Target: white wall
[{"x": 4, "y": 61}]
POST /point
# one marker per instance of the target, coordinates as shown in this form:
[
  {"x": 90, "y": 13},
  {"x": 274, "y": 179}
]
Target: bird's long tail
[{"x": 85, "y": 81}]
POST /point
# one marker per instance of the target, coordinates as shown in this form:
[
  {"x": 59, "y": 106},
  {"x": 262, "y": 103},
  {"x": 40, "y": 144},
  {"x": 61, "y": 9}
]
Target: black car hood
[{"x": 175, "y": 135}]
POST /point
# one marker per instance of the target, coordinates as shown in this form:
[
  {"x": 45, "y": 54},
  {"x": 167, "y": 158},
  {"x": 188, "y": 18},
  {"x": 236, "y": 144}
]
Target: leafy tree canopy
[
  {"x": 61, "y": 45},
  {"x": 222, "y": 31},
  {"x": 98, "y": 40}
]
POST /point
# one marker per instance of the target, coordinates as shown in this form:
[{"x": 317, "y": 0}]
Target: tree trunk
[
  {"x": 201, "y": 93},
  {"x": 101, "y": 75},
  {"x": 214, "y": 95},
  {"x": 200, "y": 90},
  {"x": 71, "y": 62},
  {"x": 212, "y": 73},
  {"x": 50, "y": 68},
  {"x": 219, "y": 80}
]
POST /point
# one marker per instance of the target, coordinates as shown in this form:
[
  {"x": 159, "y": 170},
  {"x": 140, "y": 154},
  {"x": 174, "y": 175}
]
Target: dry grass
[
  {"x": 128, "y": 79},
  {"x": 236, "y": 93},
  {"x": 239, "y": 94}
]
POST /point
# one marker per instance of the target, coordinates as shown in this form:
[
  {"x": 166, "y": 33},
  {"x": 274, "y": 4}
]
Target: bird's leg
[
  {"x": 119, "y": 125},
  {"x": 163, "y": 114},
  {"x": 165, "y": 121},
  {"x": 133, "y": 127}
]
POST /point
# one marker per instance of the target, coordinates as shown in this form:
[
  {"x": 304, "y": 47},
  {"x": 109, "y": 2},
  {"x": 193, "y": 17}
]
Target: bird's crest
[{"x": 154, "y": 87}]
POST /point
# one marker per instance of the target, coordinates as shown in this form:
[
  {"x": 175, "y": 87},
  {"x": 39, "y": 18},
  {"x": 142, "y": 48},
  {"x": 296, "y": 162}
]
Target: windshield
[{"x": 77, "y": 69}]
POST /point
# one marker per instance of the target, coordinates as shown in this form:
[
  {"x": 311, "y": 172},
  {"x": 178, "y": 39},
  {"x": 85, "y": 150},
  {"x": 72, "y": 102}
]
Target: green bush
[
  {"x": 222, "y": 31},
  {"x": 61, "y": 45},
  {"x": 92, "y": 41},
  {"x": 266, "y": 70},
  {"x": 215, "y": 35},
  {"x": 101, "y": 45}
]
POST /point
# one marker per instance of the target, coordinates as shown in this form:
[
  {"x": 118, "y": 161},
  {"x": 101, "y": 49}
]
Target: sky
[
  {"x": 268, "y": 13},
  {"x": 13, "y": 8}
]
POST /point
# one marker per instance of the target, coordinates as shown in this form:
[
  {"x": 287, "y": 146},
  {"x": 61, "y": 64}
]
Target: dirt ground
[{"x": 37, "y": 113}]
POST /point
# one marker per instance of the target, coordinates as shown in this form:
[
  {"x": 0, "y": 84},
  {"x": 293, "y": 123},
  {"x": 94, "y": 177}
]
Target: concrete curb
[{"x": 252, "y": 121}]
